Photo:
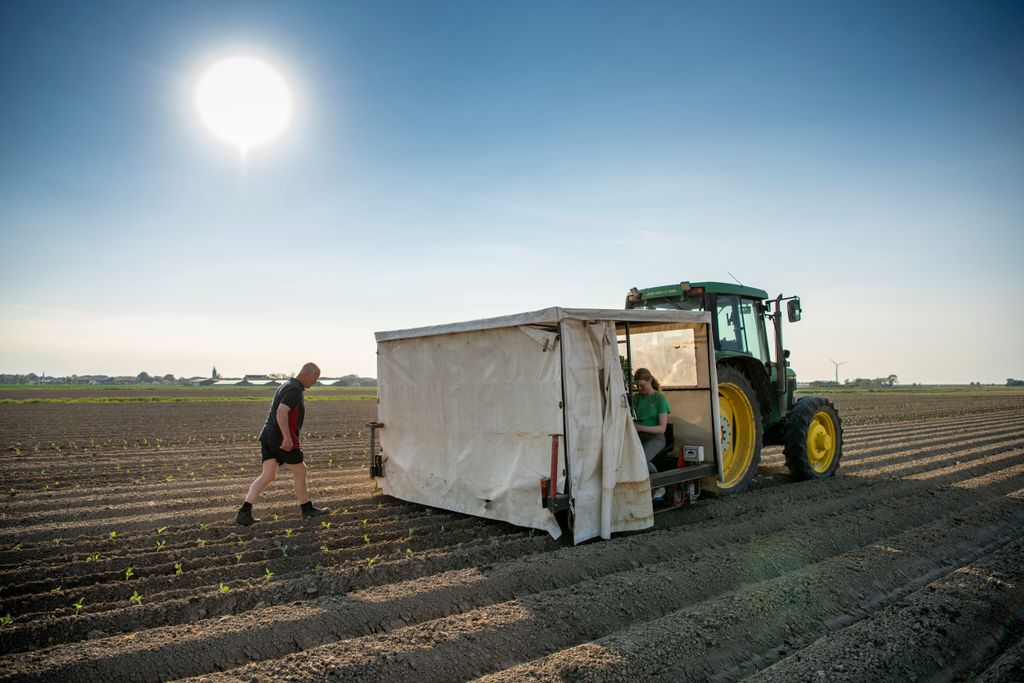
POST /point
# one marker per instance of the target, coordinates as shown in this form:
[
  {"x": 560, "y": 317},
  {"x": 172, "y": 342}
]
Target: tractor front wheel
[
  {"x": 814, "y": 439},
  {"x": 740, "y": 430}
]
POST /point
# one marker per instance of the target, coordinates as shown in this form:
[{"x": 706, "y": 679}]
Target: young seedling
[
  {"x": 371, "y": 560},
  {"x": 17, "y": 548},
  {"x": 201, "y": 542},
  {"x": 136, "y": 598},
  {"x": 276, "y": 516},
  {"x": 267, "y": 574},
  {"x": 177, "y": 568},
  {"x": 6, "y": 620},
  {"x": 284, "y": 551},
  {"x": 58, "y": 590},
  {"x": 224, "y": 588},
  {"x": 366, "y": 539},
  {"x": 317, "y": 568},
  {"x": 408, "y": 553},
  {"x": 113, "y": 534},
  {"x": 57, "y": 540},
  {"x": 365, "y": 522},
  {"x": 410, "y": 532},
  {"x": 238, "y": 558},
  {"x": 78, "y": 605},
  {"x": 129, "y": 573},
  {"x": 325, "y": 525},
  {"x": 203, "y": 526},
  {"x": 161, "y": 529},
  {"x": 169, "y": 477},
  {"x": 95, "y": 557},
  {"x": 287, "y": 532},
  {"x": 160, "y": 545},
  {"x": 324, "y": 548}
]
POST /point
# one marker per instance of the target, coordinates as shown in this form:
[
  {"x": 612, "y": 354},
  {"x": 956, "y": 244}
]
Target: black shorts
[{"x": 292, "y": 457}]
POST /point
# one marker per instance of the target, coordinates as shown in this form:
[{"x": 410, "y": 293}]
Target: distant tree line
[
  {"x": 1011, "y": 382},
  {"x": 860, "y": 382}
]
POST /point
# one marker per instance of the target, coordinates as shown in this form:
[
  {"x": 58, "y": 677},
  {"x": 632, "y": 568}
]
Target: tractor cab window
[
  {"x": 730, "y": 337},
  {"x": 753, "y": 329},
  {"x": 740, "y": 326}
]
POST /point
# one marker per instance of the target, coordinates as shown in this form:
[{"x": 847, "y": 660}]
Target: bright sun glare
[{"x": 244, "y": 102}]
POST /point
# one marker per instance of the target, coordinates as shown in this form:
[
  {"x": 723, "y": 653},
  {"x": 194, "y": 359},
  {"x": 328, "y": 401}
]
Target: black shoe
[
  {"x": 311, "y": 511},
  {"x": 244, "y": 517}
]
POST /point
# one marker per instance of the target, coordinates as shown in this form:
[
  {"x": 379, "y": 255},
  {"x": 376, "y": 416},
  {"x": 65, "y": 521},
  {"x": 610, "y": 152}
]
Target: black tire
[
  {"x": 814, "y": 439},
  {"x": 740, "y": 436}
]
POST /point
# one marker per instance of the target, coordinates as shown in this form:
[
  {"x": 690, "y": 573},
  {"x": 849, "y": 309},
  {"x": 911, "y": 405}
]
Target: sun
[{"x": 243, "y": 102}]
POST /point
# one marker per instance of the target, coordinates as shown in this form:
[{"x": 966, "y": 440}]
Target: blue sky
[{"x": 458, "y": 160}]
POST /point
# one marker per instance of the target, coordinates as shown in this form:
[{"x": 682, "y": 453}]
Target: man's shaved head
[{"x": 308, "y": 375}]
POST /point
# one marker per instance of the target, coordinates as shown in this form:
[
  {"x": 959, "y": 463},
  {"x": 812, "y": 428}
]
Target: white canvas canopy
[{"x": 469, "y": 409}]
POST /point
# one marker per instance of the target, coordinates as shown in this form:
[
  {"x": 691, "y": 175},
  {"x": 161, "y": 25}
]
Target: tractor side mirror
[{"x": 794, "y": 310}]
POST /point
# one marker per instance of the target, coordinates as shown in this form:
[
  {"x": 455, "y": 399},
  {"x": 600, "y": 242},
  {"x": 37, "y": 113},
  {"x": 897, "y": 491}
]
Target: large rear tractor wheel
[
  {"x": 814, "y": 439},
  {"x": 741, "y": 430}
]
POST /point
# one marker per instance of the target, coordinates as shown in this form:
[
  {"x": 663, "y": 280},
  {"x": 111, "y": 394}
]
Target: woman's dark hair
[{"x": 645, "y": 374}]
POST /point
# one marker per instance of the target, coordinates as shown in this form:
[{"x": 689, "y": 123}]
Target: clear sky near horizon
[{"x": 457, "y": 160}]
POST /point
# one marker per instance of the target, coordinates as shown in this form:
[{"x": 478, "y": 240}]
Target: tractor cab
[{"x": 739, "y": 313}]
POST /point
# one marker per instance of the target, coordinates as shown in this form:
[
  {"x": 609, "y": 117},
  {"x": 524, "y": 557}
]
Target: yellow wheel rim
[
  {"x": 821, "y": 442},
  {"x": 737, "y": 433}
]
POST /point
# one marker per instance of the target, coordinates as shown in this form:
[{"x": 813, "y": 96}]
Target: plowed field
[{"x": 909, "y": 565}]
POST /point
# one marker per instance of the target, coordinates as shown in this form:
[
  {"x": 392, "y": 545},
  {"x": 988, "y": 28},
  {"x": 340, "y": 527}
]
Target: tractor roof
[{"x": 681, "y": 289}]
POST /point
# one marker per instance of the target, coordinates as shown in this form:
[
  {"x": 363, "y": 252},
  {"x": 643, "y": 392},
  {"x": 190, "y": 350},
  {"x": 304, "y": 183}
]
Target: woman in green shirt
[{"x": 651, "y": 409}]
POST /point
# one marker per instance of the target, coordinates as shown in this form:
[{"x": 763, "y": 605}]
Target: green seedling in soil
[
  {"x": 160, "y": 545},
  {"x": 370, "y": 561},
  {"x": 169, "y": 477},
  {"x": 129, "y": 573},
  {"x": 57, "y": 540},
  {"x": 284, "y": 551},
  {"x": 380, "y": 505},
  {"x": 276, "y": 516},
  {"x": 95, "y": 557},
  {"x": 17, "y": 547},
  {"x": 113, "y": 534},
  {"x": 238, "y": 558},
  {"x": 365, "y": 521},
  {"x": 408, "y": 553},
  {"x": 345, "y": 511},
  {"x": 203, "y": 526},
  {"x": 6, "y": 620},
  {"x": 224, "y": 588},
  {"x": 324, "y": 548},
  {"x": 78, "y": 605},
  {"x": 177, "y": 568},
  {"x": 161, "y": 529},
  {"x": 267, "y": 574},
  {"x": 58, "y": 590},
  {"x": 136, "y": 598},
  {"x": 366, "y": 538},
  {"x": 201, "y": 542},
  {"x": 317, "y": 568},
  {"x": 410, "y": 532},
  {"x": 326, "y": 525},
  {"x": 287, "y": 532}
]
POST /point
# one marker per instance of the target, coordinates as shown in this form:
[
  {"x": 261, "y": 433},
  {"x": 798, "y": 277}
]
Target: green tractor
[{"x": 755, "y": 394}]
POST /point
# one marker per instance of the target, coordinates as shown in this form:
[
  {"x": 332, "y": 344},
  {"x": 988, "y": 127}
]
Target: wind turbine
[{"x": 837, "y": 364}]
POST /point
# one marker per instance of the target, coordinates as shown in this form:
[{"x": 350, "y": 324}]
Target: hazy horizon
[{"x": 454, "y": 160}]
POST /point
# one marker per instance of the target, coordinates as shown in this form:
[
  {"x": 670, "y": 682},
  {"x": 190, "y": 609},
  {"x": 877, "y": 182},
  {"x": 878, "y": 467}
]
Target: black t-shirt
[{"x": 290, "y": 394}]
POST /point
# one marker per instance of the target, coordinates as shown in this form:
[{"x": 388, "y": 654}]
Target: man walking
[{"x": 280, "y": 442}]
